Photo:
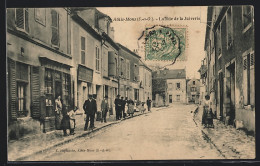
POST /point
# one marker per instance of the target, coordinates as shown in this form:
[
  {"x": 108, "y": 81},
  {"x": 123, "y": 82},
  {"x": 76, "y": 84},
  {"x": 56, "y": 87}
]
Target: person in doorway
[
  {"x": 72, "y": 115},
  {"x": 58, "y": 112},
  {"x": 118, "y": 106},
  {"x": 90, "y": 108},
  {"x": 104, "y": 109},
  {"x": 148, "y": 103}
]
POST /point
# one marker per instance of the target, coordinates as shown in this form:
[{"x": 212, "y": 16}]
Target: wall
[{"x": 174, "y": 92}]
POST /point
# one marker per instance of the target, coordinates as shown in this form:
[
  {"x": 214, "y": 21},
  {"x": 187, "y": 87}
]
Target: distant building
[
  {"x": 169, "y": 86},
  {"x": 193, "y": 90},
  {"x": 203, "y": 77}
]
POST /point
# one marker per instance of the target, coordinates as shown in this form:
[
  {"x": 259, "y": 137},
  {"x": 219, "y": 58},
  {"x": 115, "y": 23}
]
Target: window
[
  {"x": 178, "y": 97},
  {"x": 21, "y": 19},
  {"x": 246, "y": 16},
  {"x": 178, "y": 85},
  {"x": 170, "y": 98},
  {"x": 96, "y": 21},
  {"x": 135, "y": 72},
  {"x": 218, "y": 42},
  {"x": 55, "y": 28},
  {"x": 40, "y": 15},
  {"x": 116, "y": 66},
  {"x": 193, "y": 89},
  {"x": 66, "y": 85},
  {"x": 229, "y": 28},
  {"x": 170, "y": 86},
  {"x": 248, "y": 75},
  {"x": 97, "y": 59},
  {"x": 127, "y": 69},
  {"x": 83, "y": 49},
  {"x": 21, "y": 97},
  {"x": 193, "y": 82},
  {"x": 122, "y": 66},
  {"x": 136, "y": 94}
]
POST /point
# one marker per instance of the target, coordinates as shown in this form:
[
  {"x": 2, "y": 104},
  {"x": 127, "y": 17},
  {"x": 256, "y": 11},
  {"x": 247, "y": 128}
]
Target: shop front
[{"x": 55, "y": 80}]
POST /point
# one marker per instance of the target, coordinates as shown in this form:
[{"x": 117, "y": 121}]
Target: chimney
[{"x": 111, "y": 33}]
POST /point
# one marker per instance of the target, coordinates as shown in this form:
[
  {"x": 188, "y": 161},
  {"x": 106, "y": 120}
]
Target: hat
[
  {"x": 118, "y": 95},
  {"x": 106, "y": 96},
  {"x": 90, "y": 95}
]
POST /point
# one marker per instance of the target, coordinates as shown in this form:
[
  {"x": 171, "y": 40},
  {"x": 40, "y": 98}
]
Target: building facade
[
  {"x": 193, "y": 90},
  {"x": 145, "y": 74},
  {"x": 169, "y": 86},
  {"x": 230, "y": 45},
  {"x": 129, "y": 80},
  {"x": 38, "y": 67}
]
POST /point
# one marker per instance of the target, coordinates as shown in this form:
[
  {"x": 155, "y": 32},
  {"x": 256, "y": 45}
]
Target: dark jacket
[
  {"x": 118, "y": 103},
  {"x": 104, "y": 106},
  {"x": 90, "y": 107},
  {"x": 148, "y": 102}
]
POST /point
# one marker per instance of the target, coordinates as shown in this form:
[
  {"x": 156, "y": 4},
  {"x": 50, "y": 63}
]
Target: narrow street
[{"x": 168, "y": 133}]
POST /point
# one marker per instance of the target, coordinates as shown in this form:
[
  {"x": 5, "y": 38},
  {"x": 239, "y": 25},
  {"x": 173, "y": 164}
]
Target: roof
[
  {"x": 129, "y": 51},
  {"x": 170, "y": 74},
  {"x": 143, "y": 64},
  {"x": 100, "y": 14}
]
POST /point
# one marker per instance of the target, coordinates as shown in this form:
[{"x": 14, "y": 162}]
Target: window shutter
[
  {"x": 55, "y": 28},
  {"x": 19, "y": 18},
  {"x": 245, "y": 64},
  {"x": 111, "y": 64},
  {"x": 26, "y": 17},
  {"x": 252, "y": 60},
  {"x": 12, "y": 90},
  {"x": 35, "y": 88}
]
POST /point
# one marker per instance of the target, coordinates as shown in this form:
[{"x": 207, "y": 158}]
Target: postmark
[{"x": 164, "y": 43}]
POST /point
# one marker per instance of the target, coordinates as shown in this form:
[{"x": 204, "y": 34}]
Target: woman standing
[{"x": 58, "y": 113}]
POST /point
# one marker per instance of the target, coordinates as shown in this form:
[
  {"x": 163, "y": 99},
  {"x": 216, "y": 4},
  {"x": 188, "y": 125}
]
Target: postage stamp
[{"x": 164, "y": 42}]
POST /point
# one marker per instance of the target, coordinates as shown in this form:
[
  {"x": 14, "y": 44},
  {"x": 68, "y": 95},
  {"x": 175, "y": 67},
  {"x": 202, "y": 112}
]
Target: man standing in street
[
  {"x": 90, "y": 108},
  {"x": 104, "y": 109},
  {"x": 118, "y": 107},
  {"x": 148, "y": 102},
  {"x": 123, "y": 102}
]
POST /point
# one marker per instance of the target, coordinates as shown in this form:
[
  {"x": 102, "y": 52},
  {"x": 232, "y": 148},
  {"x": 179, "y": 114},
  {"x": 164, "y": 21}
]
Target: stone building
[
  {"x": 145, "y": 74},
  {"x": 193, "y": 90},
  {"x": 129, "y": 80},
  {"x": 169, "y": 86},
  {"x": 38, "y": 67},
  {"x": 230, "y": 57},
  {"x": 96, "y": 56}
]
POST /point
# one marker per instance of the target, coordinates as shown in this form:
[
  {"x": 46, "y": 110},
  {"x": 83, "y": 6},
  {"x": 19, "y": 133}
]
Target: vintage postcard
[{"x": 130, "y": 83}]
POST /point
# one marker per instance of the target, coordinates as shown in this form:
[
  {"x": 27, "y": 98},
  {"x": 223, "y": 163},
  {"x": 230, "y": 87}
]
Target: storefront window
[
  {"x": 49, "y": 92},
  {"x": 66, "y": 85}
]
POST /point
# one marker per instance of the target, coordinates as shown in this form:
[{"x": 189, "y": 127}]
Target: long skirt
[
  {"x": 130, "y": 109},
  {"x": 58, "y": 121},
  {"x": 65, "y": 123}
]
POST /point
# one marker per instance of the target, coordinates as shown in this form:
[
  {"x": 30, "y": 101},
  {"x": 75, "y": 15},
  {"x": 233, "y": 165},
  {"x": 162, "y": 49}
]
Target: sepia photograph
[{"x": 130, "y": 83}]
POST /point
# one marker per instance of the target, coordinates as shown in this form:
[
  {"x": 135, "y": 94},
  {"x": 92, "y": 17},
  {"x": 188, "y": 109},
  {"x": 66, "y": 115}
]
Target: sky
[{"x": 128, "y": 32}]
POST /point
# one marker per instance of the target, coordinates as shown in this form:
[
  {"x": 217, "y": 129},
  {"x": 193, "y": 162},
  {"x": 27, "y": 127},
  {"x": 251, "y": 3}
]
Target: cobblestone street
[{"x": 164, "y": 134}]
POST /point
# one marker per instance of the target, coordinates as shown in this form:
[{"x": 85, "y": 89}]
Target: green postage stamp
[{"x": 165, "y": 43}]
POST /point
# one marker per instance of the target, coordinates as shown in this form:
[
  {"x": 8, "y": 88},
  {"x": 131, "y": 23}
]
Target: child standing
[{"x": 72, "y": 115}]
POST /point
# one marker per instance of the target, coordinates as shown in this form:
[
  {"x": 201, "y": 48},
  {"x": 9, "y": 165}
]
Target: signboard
[{"x": 85, "y": 74}]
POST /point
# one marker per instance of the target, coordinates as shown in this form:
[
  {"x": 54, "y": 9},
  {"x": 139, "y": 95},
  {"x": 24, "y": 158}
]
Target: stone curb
[
  {"x": 78, "y": 136},
  {"x": 207, "y": 137}
]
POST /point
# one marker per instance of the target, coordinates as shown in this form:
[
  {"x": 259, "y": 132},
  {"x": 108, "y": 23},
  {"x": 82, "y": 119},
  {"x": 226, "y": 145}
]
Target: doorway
[
  {"x": 170, "y": 98},
  {"x": 230, "y": 84}
]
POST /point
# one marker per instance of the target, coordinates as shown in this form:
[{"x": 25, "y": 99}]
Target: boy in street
[{"x": 72, "y": 115}]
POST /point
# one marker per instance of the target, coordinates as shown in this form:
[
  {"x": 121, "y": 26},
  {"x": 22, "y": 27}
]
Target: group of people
[
  {"x": 65, "y": 118},
  {"x": 124, "y": 104}
]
